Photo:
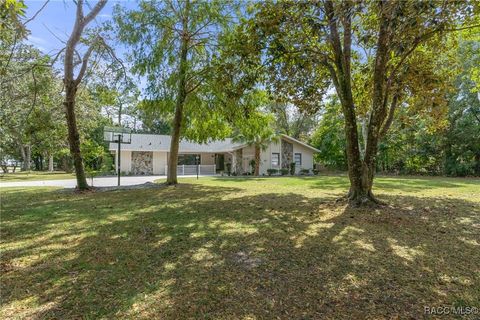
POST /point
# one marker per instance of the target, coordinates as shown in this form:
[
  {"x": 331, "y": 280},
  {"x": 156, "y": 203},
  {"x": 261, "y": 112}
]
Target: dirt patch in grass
[{"x": 233, "y": 249}]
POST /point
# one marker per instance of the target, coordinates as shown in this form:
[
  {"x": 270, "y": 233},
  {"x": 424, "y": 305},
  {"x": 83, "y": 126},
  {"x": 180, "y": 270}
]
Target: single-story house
[{"x": 149, "y": 153}]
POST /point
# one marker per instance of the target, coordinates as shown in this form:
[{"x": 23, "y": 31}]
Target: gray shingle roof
[{"x": 155, "y": 142}]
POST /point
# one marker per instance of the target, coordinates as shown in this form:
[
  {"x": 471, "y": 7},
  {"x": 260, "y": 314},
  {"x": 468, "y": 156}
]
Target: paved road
[{"x": 97, "y": 182}]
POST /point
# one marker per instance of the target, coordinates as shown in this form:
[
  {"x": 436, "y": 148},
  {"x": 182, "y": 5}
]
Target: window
[
  {"x": 298, "y": 159},
  {"x": 275, "y": 159},
  {"x": 188, "y": 159}
]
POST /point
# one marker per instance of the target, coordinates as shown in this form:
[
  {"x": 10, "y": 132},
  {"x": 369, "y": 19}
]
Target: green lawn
[
  {"x": 233, "y": 248},
  {"x": 35, "y": 175}
]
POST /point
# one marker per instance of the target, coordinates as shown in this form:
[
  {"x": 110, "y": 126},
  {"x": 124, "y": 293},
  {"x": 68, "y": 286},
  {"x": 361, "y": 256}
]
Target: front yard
[
  {"x": 240, "y": 248},
  {"x": 35, "y": 175}
]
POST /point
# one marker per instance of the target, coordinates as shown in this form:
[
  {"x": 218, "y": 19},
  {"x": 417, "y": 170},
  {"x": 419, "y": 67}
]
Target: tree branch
[
  {"x": 36, "y": 13},
  {"x": 79, "y": 13},
  {"x": 113, "y": 55},
  {"x": 390, "y": 117},
  {"x": 83, "y": 68},
  {"x": 93, "y": 13},
  {"x": 334, "y": 35}
]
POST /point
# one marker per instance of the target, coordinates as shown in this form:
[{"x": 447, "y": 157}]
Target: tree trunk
[
  {"x": 477, "y": 164},
  {"x": 74, "y": 136},
  {"x": 26, "y": 152},
  {"x": 361, "y": 170},
  {"x": 66, "y": 164},
  {"x": 50, "y": 162},
  {"x": 71, "y": 84},
  {"x": 363, "y": 194},
  {"x": 341, "y": 76},
  {"x": 40, "y": 162},
  {"x": 181, "y": 96},
  {"x": 36, "y": 162},
  {"x": 360, "y": 192},
  {"x": 22, "y": 152},
  {"x": 28, "y": 165},
  {"x": 174, "y": 145},
  {"x": 257, "y": 161}
]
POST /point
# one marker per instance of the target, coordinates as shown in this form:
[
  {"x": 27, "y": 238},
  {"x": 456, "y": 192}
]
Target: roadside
[
  {"x": 35, "y": 175},
  {"x": 97, "y": 182}
]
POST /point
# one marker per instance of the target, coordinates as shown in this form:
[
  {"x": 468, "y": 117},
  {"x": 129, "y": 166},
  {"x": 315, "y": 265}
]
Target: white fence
[{"x": 203, "y": 169}]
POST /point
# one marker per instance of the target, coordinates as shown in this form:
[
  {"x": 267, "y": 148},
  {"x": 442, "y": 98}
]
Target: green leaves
[
  {"x": 155, "y": 33},
  {"x": 256, "y": 130},
  {"x": 11, "y": 26}
]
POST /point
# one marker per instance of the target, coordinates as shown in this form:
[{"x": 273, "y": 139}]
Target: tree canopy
[
  {"x": 389, "y": 86},
  {"x": 377, "y": 56}
]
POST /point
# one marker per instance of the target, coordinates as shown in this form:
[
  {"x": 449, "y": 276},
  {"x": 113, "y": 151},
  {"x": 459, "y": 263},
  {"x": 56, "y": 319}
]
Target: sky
[
  {"x": 55, "y": 22},
  {"x": 52, "y": 26}
]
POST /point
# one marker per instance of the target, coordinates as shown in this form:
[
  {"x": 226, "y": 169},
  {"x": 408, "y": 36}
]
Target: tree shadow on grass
[
  {"x": 408, "y": 184},
  {"x": 402, "y": 183},
  {"x": 213, "y": 252},
  {"x": 419, "y": 183}
]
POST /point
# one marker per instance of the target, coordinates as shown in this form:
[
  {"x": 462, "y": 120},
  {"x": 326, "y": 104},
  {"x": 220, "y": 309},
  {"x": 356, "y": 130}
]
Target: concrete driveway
[{"x": 97, "y": 182}]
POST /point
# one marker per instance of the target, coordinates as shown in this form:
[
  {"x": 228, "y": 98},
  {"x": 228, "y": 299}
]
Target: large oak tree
[{"x": 371, "y": 52}]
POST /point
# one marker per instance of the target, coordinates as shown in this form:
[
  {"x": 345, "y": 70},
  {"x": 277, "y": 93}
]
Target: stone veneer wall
[
  {"x": 142, "y": 163},
  {"x": 238, "y": 161},
  {"x": 287, "y": 154}
]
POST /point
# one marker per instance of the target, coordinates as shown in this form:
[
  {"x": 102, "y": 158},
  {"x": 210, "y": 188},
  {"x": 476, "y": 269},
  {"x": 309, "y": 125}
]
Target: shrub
[
  {"x": 315, "y": 171},
  {"x": 284, "y": 171},
  {"x": 252, "y": 165},
  {"x": 272, "y": 171},
  {"x": 292, "y": 168},
  {"x": 461, "y": 170},
  {"x": 91, "y": 173},
  {"x": 304, "y": 171}
]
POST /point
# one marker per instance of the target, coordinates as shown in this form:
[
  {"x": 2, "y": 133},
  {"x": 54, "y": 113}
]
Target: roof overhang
[
  {"x": 160, "y": 145},
  {"x": 299, "y": 142}
]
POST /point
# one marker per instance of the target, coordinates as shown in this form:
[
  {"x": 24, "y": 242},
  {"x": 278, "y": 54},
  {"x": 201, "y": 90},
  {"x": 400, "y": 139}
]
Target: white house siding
[
  {"x": 159, "y": 162},
  {"x": 307, "y": 156},
  {"x": 266, "y": 157},
  {"x": 247, "y": 156},
  {"x": 207, "y": 158},
  {"x": 125, "y": 161},
  {"x": 275, "y": 147},
  {"x": 160, "y": 157}
]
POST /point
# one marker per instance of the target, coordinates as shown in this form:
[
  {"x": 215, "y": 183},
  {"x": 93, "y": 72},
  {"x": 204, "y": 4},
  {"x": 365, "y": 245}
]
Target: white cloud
[{"x": 36, "y": 40}]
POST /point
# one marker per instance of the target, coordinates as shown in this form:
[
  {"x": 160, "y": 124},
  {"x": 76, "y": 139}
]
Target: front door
[{"x": 220, "y": 162}]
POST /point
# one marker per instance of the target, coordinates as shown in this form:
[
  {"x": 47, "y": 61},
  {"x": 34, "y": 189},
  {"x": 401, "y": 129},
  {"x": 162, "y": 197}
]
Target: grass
[
  {"x": 240, "y": 248},
  {"x": 35, "y": 175}
]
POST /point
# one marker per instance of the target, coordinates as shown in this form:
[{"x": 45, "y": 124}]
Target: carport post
[{"x": 198, "y": 164}]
